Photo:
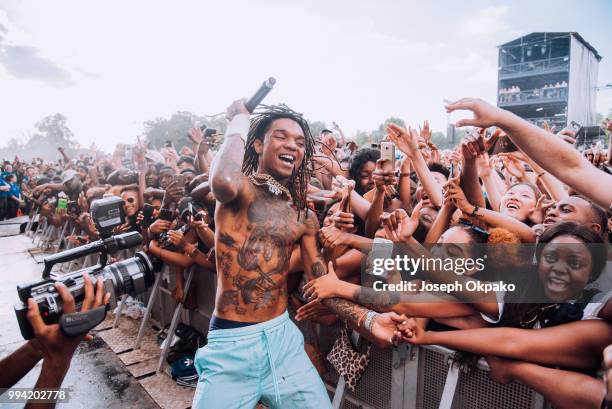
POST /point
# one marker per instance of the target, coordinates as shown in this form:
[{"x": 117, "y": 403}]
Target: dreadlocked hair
[{"x": 260, "y": 124}]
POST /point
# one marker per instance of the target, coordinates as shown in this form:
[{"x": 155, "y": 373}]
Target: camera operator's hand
[
  {"x": 177, "y": 239},
  {"x": 56, "y": 348},
  {"x": 159, "y": 226},
  {"x": 237, "y": 107}
]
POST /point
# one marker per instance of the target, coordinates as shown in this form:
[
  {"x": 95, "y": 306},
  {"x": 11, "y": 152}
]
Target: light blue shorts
[{"x": 265, "y": 361}]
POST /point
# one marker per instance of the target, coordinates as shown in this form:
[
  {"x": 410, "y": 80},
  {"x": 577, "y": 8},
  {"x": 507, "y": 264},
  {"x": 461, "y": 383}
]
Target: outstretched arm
[
  {"x": 226, "y": 177},
  {"x": 575, "y": 345},
  {"x": 563, "y": 389},
  {"x": 547, "y": 150}
]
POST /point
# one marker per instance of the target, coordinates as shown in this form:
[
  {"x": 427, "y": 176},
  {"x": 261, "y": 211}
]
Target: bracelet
[
  {"x": 193, "y": 251},
  {"x": 361, "y": 319},
  {"x": 404, "y": 174},
  {"x": 540, "y": 175},
  {"x": 369, "y": 320},
  {"x": 476, "y": 208}
]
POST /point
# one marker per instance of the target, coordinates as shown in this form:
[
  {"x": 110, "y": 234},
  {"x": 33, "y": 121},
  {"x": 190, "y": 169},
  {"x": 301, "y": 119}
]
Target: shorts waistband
[{"x": 251, "y": 330}]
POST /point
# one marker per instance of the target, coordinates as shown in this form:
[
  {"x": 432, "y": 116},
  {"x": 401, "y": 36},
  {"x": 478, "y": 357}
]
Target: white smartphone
[{"x": 387, "y": 152}]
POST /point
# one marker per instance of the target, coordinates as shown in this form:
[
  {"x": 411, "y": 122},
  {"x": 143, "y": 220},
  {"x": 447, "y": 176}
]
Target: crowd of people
[
  {"x": 515, "y": 94},
  {"x": 286, "y": 219}
]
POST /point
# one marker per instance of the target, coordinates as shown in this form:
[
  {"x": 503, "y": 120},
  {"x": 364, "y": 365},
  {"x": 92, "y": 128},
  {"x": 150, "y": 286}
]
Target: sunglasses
[
  {"x": 537, "y": 313},
  {"x": 475, "y": 229},
  {"x": 130, "y": 200}
]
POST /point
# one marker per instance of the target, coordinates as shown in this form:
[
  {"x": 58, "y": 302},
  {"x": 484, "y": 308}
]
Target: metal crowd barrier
[{"x": 403, "y": 377}]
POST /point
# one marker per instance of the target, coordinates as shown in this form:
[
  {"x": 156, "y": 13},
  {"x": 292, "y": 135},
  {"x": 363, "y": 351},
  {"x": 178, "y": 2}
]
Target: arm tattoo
[
  {"x": 347, "y": 310},
  {"x": 318, "y": 269},
  {"x": 381, "y": 301}
]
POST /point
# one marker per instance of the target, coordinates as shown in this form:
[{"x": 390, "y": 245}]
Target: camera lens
[{"x": 131, "y": 276}]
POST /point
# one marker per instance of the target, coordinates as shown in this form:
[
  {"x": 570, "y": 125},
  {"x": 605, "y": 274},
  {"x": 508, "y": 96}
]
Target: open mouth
[
  {"x": 513, "y": 205},
  {"x": 556, "y": 284},
  {"x": 287, "y": 158}
]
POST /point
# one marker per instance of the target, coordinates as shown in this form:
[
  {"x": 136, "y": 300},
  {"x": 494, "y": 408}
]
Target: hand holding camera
[{"x": 53, "y": 345}]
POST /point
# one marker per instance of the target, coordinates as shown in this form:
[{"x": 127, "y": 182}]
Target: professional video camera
[{"x": 132, "y": 276}]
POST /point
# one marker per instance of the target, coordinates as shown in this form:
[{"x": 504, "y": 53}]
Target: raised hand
[
  {"x": 237, "y": 107},
  {"x": 456, "y": 194},
  {"x": 425, "y": 132},
  {"x": 538, "y": 214},
  {"x": 514, "y": 166},
  {"x": 398, "y": 226},
  {"x": 406, "y": 140},
  {"x": 383, "y": 175},
  {"x": 196, "y": 134},
  {"x": 485, "y": 114},
  {"x": 483, "y": 164}
]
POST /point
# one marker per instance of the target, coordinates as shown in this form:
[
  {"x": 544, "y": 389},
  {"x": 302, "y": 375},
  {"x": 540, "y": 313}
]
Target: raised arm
[
  {"x": 407, "y": 142},
  {"x": 550, "y": 152},
  {"x": 226, "y": 177}
]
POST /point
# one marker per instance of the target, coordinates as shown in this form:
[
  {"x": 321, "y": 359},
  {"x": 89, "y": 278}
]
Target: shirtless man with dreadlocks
[{"x": 254, "y": 350}]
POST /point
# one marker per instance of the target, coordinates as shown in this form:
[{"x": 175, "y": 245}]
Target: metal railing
[{"x": 547, "y": 65}]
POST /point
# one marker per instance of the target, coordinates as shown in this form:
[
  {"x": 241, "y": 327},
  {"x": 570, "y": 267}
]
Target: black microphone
[{"x": 261, "y": 93}]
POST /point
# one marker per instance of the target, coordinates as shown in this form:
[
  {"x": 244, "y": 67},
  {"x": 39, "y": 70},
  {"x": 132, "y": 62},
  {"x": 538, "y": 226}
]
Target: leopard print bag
[{"x": 346, "y": 360}]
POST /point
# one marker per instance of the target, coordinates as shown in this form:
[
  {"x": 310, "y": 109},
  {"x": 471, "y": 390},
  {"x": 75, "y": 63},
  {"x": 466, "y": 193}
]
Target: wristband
[
  {"x": 476, "y": 208},
  {"x": 369, "y": 320},
  {"x": 193, "y": 251},
  {"x": 239, "y": 125}
]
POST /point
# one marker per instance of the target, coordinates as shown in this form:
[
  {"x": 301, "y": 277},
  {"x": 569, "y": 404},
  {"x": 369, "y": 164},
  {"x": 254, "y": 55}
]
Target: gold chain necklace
[{"x": 261, "y": 179}]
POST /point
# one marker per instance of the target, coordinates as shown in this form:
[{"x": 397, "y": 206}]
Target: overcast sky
[{"x": 111, "y": 65}]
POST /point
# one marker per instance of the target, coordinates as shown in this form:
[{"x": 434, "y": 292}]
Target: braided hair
[{"x": 260, "y": 124}]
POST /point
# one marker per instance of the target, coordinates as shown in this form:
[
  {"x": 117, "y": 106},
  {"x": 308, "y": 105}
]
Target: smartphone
[
  {"x": 72, "y": 207},
  {"x": 62, "y": 203},
  {"x": 387, "y": 153},
  {"x": 180, "y": 179},
  {"x": 168, "y": 144},
  {"x": 575, "y": 126},
  {"x": 147, "y": 215}
]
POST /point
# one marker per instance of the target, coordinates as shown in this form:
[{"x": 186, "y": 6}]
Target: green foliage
[
  {"x": 379, "y": 134},
  {"x": 316, "y": 127},
  {"x": 176, "y": 128},
  {"x": 52, "y": 132}
]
